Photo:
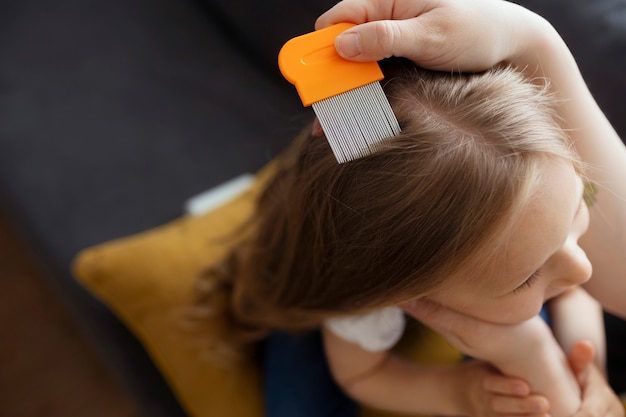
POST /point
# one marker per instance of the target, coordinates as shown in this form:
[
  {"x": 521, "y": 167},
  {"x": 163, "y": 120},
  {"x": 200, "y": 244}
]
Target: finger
[
  {"x": 374, "y": 41},
  {"x": 363, "y": 11},
  {"x": 533, "y": 404},
  {"x": 353, "y": 11},
  {"x": 377, "y": 40},
  {"x": 499, "y": 384},
  {"x": 598, "y": 398},
  {"x": 386, "y": 29},
  {"x": 580, "y": 357}
]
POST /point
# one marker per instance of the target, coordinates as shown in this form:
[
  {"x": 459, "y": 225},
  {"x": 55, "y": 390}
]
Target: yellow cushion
[{"x": 147, "y": 280}]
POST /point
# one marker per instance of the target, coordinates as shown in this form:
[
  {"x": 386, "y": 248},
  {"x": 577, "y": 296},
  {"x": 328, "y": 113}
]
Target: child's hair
[{"x": 332, "y": 239}]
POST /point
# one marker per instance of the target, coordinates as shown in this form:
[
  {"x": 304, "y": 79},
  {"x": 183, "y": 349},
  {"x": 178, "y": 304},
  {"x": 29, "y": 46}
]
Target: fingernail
[
  {"x": 348, "y": 44},
  {"x": 538, "y": 407}
]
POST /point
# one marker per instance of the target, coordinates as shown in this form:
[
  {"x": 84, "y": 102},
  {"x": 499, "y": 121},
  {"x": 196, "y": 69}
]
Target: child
[
  {"x": 426, "y": 216},
  {"x": 476, "y": 206}
]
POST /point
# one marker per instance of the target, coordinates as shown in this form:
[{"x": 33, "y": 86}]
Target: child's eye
[{"x": 528, "y": 283}]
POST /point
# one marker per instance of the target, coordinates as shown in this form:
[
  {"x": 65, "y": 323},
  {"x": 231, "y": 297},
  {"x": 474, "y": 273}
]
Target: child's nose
[{"x": 574, "y": 266}]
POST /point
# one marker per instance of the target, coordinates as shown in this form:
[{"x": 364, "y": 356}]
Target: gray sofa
[{"x": 113, "y": 113}]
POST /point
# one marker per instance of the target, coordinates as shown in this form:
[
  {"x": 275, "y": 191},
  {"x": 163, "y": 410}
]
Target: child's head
[{"x": 411, "y": 220}]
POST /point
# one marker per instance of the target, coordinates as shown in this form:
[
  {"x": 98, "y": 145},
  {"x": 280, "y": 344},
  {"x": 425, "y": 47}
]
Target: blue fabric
[
  {"x": 545, "y": 314},
  {"x": 297, "y": 380}
]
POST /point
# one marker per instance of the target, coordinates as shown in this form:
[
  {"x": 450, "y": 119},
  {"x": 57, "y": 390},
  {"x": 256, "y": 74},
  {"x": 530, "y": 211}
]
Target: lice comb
[{"x": 346, "y": 96}]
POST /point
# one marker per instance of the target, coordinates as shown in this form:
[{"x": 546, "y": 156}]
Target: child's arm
[
  {"x": 526, "y": 350},
  {"x": 530, "y": 352},
  {"x": 473, "y": 35},
  {"x": 576, "y": 316},
  {"x": 384, "y": 380}
]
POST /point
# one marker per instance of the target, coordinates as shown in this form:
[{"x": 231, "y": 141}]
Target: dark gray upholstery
[
  {"x": 113, "y": 112},
  {"x": 595, "y": 31}
]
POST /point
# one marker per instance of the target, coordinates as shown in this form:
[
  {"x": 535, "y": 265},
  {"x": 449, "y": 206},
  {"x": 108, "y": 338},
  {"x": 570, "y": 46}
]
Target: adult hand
[{"x": 435, "y": 34}]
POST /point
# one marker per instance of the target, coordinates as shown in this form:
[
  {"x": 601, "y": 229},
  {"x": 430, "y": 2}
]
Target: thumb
[
  {"x": 580, "y": 357},
  {"x": 374, "y": 41}
]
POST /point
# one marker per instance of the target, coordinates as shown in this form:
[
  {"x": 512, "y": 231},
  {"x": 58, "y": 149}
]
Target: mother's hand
[{"x": 450, "y": 35}]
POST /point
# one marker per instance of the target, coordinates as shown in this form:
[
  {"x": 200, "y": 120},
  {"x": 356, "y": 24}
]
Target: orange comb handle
[{"x": 311, "y": 63}]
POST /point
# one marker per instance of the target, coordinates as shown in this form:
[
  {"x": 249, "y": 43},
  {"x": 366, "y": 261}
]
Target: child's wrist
[
  {"x": 534, "y": 341},
  {"x": 547, "y": 359}
]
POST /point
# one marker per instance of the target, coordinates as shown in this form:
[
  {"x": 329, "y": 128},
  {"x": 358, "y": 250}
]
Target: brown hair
[{"x": 332, "y": 239}]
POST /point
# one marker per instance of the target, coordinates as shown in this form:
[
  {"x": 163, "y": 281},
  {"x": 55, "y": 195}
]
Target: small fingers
[
  {"x": 512, "y": 397},
  {"x": 500, "y": 384},
  {"x": 530, "y": 405}
]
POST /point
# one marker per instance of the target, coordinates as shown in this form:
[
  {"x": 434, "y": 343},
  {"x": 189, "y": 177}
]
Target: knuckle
[
  {"x": 388, "y": 36},
  {"x": 432, "y": 44}
]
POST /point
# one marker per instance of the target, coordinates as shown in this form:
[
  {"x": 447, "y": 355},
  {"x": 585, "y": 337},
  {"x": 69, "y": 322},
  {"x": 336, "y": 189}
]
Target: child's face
[{"x": 541, "y": 260}]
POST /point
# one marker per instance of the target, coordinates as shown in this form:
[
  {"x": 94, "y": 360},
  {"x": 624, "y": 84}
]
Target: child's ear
[{"x": 316, "y": 128}]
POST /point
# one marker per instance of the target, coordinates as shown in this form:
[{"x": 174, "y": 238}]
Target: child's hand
[
  {"x": 436, "y": 34},
  {"x": 491, "y": 394},
  {"x": 599, "y": 400},
  {"x": 495, "y": 343},
  {"x": 527, "y": 350}
]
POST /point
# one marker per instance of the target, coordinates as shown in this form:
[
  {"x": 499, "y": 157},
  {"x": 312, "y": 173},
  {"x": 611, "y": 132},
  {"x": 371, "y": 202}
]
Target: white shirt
[{"x": 375, "y": 331}]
